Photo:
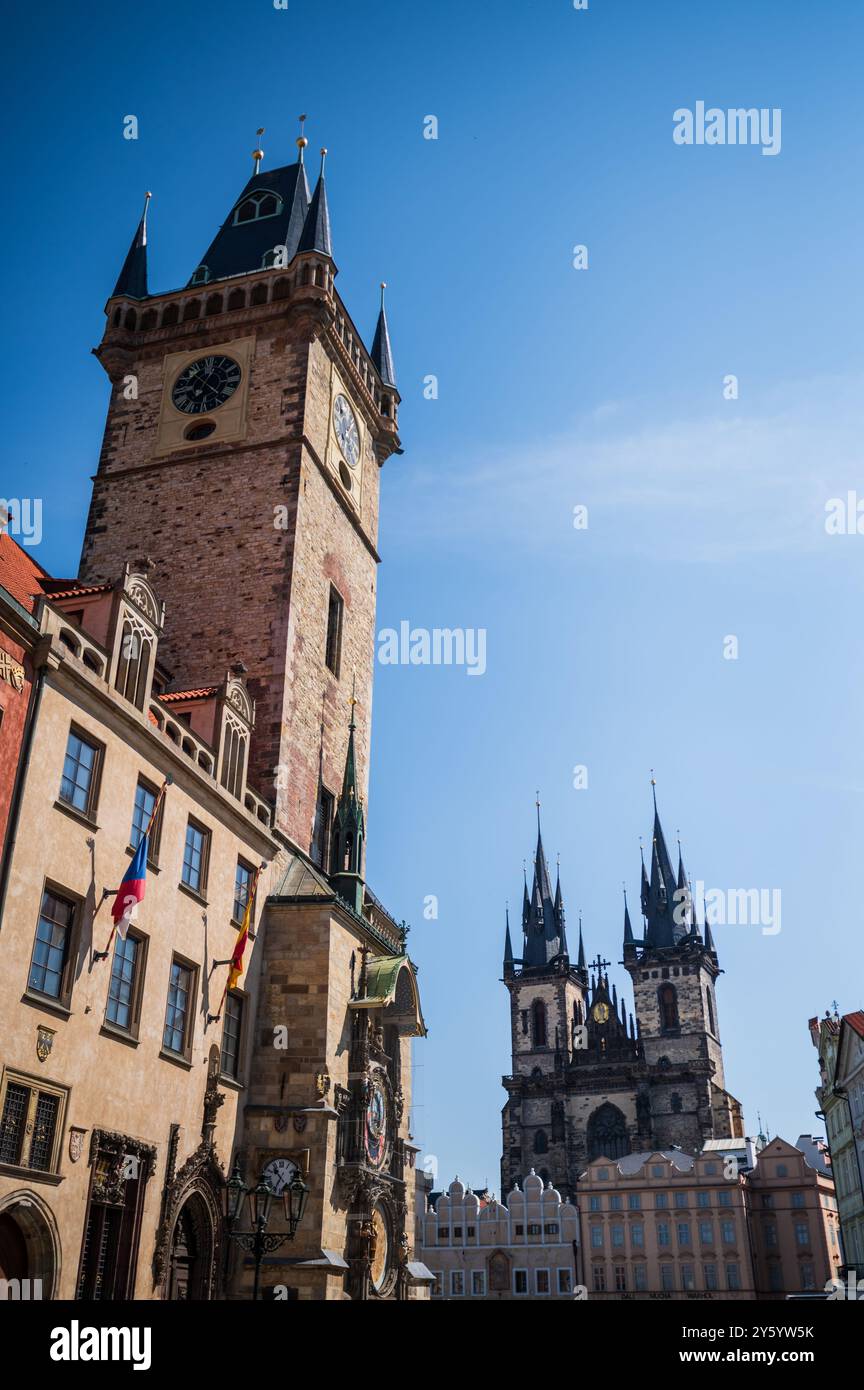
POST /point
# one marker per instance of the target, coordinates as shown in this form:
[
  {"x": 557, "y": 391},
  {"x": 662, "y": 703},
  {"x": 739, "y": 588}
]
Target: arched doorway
[
  {"x": 29, "y": 1244},
  {"x": 190, "y": 1266}
]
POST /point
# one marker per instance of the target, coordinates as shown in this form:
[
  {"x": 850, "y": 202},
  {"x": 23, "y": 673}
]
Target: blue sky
[{"x": 557, "y": 387}]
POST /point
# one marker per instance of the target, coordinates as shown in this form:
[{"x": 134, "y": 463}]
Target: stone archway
[
  {"x": 29, "y": 1244},
  {"x": 190, "y": 1274}
]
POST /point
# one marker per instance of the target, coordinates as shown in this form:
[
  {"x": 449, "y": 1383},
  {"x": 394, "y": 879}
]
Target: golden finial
[
  {"x": 323, "y": 157},
  {"x": 383, "y": 288},
  {"x": 302, "y": 142},
  {"x": 258, "y": 153}
]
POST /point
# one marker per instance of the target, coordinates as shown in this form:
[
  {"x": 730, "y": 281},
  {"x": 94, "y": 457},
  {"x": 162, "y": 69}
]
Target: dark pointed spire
[
  {"x": 580, "y": 963},
  {"x": 132, "y": 280},
  {"x": 708, "y": 938},
  {"x": 644, "y": 885},
  {"x": 667, "y": 924},
  {"x": 508, "y": 946},
  {"x": 349, "y": 831},
  {"x": 544, "y": 930},
  {"x": 316, "y": 229},
  {"x": 629, "y": 940},
  {"x": 381, "y": 353}
]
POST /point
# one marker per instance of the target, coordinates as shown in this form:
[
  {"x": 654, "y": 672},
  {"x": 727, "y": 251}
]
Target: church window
[
  {"x": 131, "y": 319},
  {"x": 668, "y": 999},
  {"x": 259, "y": 294},
  {"x": 237, "y": 299},
  {"x": 538, "y": 1011},
  {"x": 712, "y": 1025},
  {"x": 523, "y": 1014},
  {"x": 333, "y": 648},
  {"x": 557, "y": 1121},
  {"x": 676, "y": 1103},
  {"x": 214, "y": 305},
  {"x": 607, "y": 1133},
  {"x": 258, "y": 205},
  {"x": 192, "y": 309}
]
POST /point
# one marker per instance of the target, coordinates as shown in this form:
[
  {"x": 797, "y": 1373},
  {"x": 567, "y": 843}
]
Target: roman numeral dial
[{"x": 206, "y": 384}]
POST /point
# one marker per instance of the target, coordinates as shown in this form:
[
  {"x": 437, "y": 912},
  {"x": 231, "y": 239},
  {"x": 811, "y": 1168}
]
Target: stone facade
[{"x": 840, "y": 1094}]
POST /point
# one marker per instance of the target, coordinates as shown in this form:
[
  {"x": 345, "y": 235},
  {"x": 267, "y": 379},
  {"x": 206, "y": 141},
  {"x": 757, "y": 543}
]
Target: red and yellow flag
[{"x": 236, "y": 969}]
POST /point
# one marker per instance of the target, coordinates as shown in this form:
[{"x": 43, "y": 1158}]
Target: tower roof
[
  {"x": 380, "y": 352},
  {"x": 544, "y": 929},
  {"x": 315, "y": 235},
  {"x": 660, "y": 903},
  {"x": 132, "y": 280},
  {"x": 242, "y": 242}
]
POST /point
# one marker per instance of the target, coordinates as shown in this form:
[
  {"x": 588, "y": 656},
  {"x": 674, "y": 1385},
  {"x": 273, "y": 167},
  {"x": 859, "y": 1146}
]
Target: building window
[
  {"x": 680, "y": 1199},
  {"x": 50, "y": 968},
  {"x": 79, "y": 784},
  {"x": 770, "y": 1232},
  {"x": 712, "y": 1025},
  {"x": 775, "y": 1276},
  {"x": 711, "y": 1169},
  {"x": 709, "y": 1273},
  {"x": 538, "y": 1011},
  {"x": 541, "y": 1143},
  {"x": 565, "y": 1282},
  {"x": 727, "y": 1232},
  {"x": 124, "y": 987},
  {"x": 596, "y": 1237},
  {"x": 534, "y": 1228},
  {"x": 703, "y": 1199},
  {"x": 256, "y": 206},
  {"x": 634, "y": 1201},
  {"x": 640, "y": 1278},
  {"x": 667, "y": 996},
  {"x": 437, "y": 1287},
  {"x": 688, "y": 1280},
  {"x": 335, "y": 616},
  {"x": 595, "y": 1204},
  {"x": 808, "y": 1276},
  {"x": 798, "y": 1199},
  {"x": 782, "y": 1170},
  {"x": 607, "y": 1133},
  {"x": 683, "y": 1232},
  {"x": 321, "y": 830},
  {"x": 145, "y": 800},
  {"x": 478, "y": 1283},
  {"x": 661, "y": 1200},
  {"x": 617, "y": 1237},
  {"x": 196, "y": 852},
  {"x": 637, "y": 1235},
  {"x": 234, "y": 756},
  {"x": 232, "y": 1030},
  {"x": 663, "y": 1237},
  {"x": 724, "y": 1199},
  {"x": 599, "y": 1278},
  {"x": 243, "y": 876},
  {"x": 30, "y": 1123},
  {"x": 550, "y": 1228},
  {"x": 656, "y": 1170},
  {"x": 444, "y": 1233},
  {"x": 541, "y": 1281},
  {"x": 733, "y": 1277},
  {"x": 177, "y": 1033},
  {"x": 520, "y": 1281},
  {"x": 457, "y": 1232},
  {"x": 620, "y": 1278},
  {"x": 112, "y": 1224},
  {"x": 616, "y": 1202},
  {"x": 802, "y": 1233},
  {"x": 706, "y": 1233},
  {"x": 667, "y": 1277},
  {"x": 133, "y": 663}
]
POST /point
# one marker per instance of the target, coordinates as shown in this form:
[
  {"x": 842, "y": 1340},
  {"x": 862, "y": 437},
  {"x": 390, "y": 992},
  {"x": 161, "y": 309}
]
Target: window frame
[
  {"x": 236, "y": 920},
  {"x": 523, "y": 1292},
  {"x": 334, "y": 632},
  {"x": 63, "y": 999},
  {"x": 200, "y": 891},
  {"x": 156, "y": 832},
  {"x": 189, "y": 1022},
  {"x": 238, "y": 997},
  {"x": 35, "y": 1086},
  {"x": 88, "y": 814},
  {"x": 109, "y": 1025}
]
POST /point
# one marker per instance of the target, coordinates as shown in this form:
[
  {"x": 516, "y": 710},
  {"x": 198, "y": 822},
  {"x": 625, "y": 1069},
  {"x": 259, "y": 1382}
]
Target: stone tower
[
  {"x": 245, "y": 434},
  {"x": 587, "y": 1079}
]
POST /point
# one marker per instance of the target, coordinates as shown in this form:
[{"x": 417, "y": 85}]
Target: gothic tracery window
[
  {"x": 607, "y": 1133},
  {"x": 538, "y": 1012},
  {"x": 667, "y": 996}
]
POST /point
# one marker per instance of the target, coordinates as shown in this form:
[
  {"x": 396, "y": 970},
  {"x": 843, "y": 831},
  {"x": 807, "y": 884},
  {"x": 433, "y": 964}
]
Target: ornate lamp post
[{"x": 257, "y": 1241}]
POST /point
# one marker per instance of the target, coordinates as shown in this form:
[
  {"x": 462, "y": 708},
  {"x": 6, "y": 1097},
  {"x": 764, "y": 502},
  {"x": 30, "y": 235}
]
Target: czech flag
[{"x": 131, "y": 890}]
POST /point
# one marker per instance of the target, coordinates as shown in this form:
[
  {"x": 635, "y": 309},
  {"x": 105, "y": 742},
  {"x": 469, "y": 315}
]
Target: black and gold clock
[{"x": 205, "y": 384}]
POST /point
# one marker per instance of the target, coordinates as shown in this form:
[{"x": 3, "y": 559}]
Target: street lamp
[{"x": 260, "y": 1197}]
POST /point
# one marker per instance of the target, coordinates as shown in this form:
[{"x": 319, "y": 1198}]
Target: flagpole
[
  {"x": 214, "y": 1018},
  {"x": 103, "y": 955}
]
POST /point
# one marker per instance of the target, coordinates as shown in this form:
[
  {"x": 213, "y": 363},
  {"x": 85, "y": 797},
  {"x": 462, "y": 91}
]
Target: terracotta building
[
  {"x": 246, "y": 430},
  {"x": 20, "y": 578},
  {"x": 479, "y": 1248},
  {"x": 587, "y": 1079},
  {"x": 793, "y": 1221},
  {"x": 840, "y": 1094}
]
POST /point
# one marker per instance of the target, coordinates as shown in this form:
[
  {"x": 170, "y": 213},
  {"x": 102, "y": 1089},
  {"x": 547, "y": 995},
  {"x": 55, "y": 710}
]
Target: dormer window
[
  {"x": 201, "y": 276},
  {"x": 259, "y": 205}
]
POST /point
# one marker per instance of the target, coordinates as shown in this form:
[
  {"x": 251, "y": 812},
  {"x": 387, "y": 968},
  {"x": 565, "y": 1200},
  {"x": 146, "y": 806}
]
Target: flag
[
  {"x": 131, "y": 890},
  {"x": 240, "y": 944}
]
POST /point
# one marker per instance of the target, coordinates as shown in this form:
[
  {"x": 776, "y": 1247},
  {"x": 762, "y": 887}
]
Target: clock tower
[{"x": 247, "y": 427}]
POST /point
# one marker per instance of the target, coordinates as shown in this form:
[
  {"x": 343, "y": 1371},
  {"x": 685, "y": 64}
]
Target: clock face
[
  {"x": 376, "y": 1125},
  {"x": 600, "y": 1013},
  {"x": 205, "y": 384},
  {"x": 347, "y": 433},
  {"x": 279, "y": 1172}
]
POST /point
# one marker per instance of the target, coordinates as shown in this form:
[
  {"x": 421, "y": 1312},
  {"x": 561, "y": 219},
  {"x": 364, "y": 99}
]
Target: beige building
[
  {"x": 115, "y": 1074},
  {"x": 793, "y": 1221},
  {"x": 479, "y": 1248},
  {"x": 840, "y": 1094},
  {"x": 665, "y": 1225}
]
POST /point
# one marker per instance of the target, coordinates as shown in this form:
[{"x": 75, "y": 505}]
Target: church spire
[
  {"x": 629, "y": 941},
  {"x": 662, "y": 929},
  {"x": 381, "y": 354},
  {"x": 316, "y": 229},
  {"x": 544, "y": 929},
  {"x": 132, "y": 280},
  {"x": 346, "y": 873},
  {"x": 508, "y": 947}
]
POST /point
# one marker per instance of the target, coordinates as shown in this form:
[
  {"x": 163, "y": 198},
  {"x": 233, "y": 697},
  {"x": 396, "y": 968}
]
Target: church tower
[{"x": 246, "y": 430}]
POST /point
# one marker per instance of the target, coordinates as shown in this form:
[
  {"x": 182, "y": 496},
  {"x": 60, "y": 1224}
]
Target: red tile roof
[
  {"x": 855, "y": 1021},
  {"x": 75, "y": 590},
  {"x": 175, "y": 695},
  {"x": 20, "y": 574}
]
